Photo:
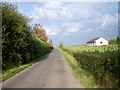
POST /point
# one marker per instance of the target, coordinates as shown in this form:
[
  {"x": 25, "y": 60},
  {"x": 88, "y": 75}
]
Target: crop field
[
  {"x": 93, "y": 48},
  {"x": 101, "y": 62},
  {"x": 111, "y": 50}
]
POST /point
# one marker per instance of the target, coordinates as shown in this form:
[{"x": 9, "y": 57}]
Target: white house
[{"x": 100, "y": 41}]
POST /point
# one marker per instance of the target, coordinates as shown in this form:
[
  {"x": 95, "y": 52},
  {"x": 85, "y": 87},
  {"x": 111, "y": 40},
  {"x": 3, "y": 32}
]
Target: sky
[{"x": 73, "y": 23}]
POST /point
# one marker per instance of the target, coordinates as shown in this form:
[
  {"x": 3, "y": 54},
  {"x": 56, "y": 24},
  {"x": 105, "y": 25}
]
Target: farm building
[{"x": 100, "y": 41}]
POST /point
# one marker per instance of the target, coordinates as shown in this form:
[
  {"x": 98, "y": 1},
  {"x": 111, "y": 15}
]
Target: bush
[
  {"x": 38, "y": 48},
  {"x": 103, "y": 66},
  {"x": 19, "y": 46}
]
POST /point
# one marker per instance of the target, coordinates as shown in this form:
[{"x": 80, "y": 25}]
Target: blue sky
[{"x": 73, "y": 23}]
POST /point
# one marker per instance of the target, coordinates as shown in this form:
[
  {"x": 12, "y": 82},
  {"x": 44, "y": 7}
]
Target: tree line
[
  {"x": 115, "y": 41},
  {"x": 19, "y": 45}
]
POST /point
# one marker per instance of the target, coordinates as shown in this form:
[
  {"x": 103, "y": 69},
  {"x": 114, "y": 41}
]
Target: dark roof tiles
[{"x": 92, "y": 40}]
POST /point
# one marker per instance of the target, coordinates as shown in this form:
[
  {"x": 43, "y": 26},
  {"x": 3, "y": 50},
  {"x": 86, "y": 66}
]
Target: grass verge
[
  {"x": 11, "y": 72},
  {"x": 85, "y": 78}
]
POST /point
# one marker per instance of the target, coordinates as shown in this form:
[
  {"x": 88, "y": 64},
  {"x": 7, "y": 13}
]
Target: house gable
[
  {"x": 101, "y": 41},
  {"x": 97, "y": 42}
]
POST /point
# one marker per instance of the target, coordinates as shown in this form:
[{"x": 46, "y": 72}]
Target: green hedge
[
  {"x": 19, "y": 46},
  {"x": 103, "y": 68},
  {"x": 38, "y": 48}
]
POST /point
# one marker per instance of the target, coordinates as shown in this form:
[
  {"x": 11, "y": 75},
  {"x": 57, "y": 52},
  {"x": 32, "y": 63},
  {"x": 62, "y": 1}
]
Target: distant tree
[
  {"x": 61, "y": 45},
  {"x": 40, "y": 32},
  {"x": 118, "y": 40},
  {"x": 112, "y": 41},
  {"x": 50, "y": 42},
  {"x": 115, "y": 41}
]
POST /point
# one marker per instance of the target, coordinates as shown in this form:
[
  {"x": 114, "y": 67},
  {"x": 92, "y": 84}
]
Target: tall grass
[
  {"x": 100, "y": 62},
  {"x": 85, "y": 78}
]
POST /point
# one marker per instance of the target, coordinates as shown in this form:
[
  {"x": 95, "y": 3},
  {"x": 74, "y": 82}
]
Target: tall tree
[
  {"x": 40, "y": 32},
  {"x": 115, "y": 41},
  {"x": 118, "y": 39},
  {"x": 50, "y": 42},
  {"x": 14, "y": 45},
  {"x": 61, "y": 45},
  {"x": 112, "y": 41}
]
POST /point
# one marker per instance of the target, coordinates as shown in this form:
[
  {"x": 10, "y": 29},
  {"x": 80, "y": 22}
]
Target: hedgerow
[
  {"x": 19, "y": 46},
  {"x": 103, "y": 66}
]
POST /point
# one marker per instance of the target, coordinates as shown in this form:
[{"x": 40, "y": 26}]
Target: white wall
[
  {"x": 104, "y": 41},
  {"x": 91, "y": 44}
]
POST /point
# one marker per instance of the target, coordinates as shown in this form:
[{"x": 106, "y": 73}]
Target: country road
[{"x": 51, "y": 72}]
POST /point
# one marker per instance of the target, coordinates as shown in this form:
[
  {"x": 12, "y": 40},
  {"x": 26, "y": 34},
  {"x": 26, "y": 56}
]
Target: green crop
[{"x": 101, "y": 61}]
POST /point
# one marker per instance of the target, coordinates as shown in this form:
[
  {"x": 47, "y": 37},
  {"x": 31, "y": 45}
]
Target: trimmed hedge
[
  {"x": 103, "y": 68},
  {"x": 38, "y": 48}
]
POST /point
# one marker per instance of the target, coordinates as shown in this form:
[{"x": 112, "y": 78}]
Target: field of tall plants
[{"x": 99, "y": 62}]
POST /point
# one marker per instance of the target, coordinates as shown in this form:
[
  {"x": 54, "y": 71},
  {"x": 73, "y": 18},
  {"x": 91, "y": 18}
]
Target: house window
[{"x": 100, "y": 42}]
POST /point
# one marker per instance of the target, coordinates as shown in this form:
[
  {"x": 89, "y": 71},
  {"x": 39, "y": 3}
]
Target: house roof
[{"x": 92, "y": 40}]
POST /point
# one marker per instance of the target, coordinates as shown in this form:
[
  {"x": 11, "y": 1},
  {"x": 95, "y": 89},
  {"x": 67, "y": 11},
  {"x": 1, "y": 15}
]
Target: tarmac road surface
[{"x": 51, "y": 72}]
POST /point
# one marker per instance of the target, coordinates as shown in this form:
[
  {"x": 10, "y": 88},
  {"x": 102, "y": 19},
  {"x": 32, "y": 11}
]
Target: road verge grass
[
  {"x": 11, "y": 72},
  {"x": 85, "y": 78}
]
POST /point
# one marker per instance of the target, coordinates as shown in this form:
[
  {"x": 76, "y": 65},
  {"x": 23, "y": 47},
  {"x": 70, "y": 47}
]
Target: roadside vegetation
[
  {"x": 115, "y": 41},
  {"x": 78, "y": 72},
  {"x": 96, "y": 66},
  {"x": 13, "y": 71},
  {"x": 19, "y": 45}
]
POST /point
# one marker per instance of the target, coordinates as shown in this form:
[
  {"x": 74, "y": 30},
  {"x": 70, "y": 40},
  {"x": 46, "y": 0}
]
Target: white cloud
[
  {"x": 71, "y": 27},
  {"x": 50, "y": 32},
  {"x": 61, "y": 0},
  {"x": 20, "y": 10},
  {"x": 62, "y": 18},
  {"x": 43, "y": 15},
  {"x": 87, "y": 30},
  {"x": 108, "y": 19},
  {"x": 53, "y": 4},
  {"x": 57, "y": 12}
]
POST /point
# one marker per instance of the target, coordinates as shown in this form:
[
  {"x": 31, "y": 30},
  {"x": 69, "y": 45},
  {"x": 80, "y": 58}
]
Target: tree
[
  {"x": 115, "y": 41},
  {"x": 19, "y": 46},
  {"x": 50, "y": 42},
  {"x": 14, "y": 29},
  {"x": 112, "y": 42},
  {"x": 61, "y": 45},
  {"x": 40, "y": 32},
  {"x": 118, "y": 39}
]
